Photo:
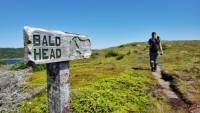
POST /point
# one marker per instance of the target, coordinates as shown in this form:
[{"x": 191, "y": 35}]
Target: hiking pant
[{"x": 153, "y": 59}]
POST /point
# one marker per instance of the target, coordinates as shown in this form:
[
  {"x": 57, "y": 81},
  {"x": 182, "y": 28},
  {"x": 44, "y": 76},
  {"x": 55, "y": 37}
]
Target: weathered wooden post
[{"x": 55, "y": 49}]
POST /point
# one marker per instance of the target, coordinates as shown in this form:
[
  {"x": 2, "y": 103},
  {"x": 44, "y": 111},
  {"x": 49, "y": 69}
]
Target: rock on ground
[{"x": 11, "y": 89}]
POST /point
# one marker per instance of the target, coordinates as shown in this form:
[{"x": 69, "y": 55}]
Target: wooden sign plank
[
  {"x": 55, "y": 48},
  {"x": 47, "y": 46}
]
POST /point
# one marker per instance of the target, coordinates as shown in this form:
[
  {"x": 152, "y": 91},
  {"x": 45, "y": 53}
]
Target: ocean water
[{"x": 12, "y": 61}]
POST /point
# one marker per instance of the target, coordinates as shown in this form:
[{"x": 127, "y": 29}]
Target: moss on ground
[
  {"x": 105, "y": 84},
  {"x": 123, "y": 94}
]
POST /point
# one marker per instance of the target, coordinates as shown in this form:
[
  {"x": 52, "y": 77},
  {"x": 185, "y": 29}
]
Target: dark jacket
[{"x": 154, "y": 45}]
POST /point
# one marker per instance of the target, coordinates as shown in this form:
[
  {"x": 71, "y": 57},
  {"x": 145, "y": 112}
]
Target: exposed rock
[{"x": 11, "y": 92}]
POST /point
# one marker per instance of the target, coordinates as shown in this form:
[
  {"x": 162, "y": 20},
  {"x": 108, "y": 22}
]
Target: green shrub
[
  {"x": 94, "y": 54},
  {"x": 133, "y": 44},
  {"x": 39, "y": 67},
  {"x": 164, "y": 46},
  {"x": 18, "y": 66},
  {"x": 2, "y": 62},
  {"x": 38, "y": 104},
  {"x": 128, "y": 53},
  {"x": 197, "y": 62},
  {"x": 111, "y": 54},
  {"x": 119, "y": 57},
  {"x": 122, "y": 94},
  {"x": 136, "y": 51},
  {"x": 23, "y": 65},
  {"x": 121, "y": 46}
]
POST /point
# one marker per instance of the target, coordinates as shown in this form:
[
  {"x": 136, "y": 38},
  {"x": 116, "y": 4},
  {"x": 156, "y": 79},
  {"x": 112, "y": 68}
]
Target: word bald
[{"x": 46, "y": 47}]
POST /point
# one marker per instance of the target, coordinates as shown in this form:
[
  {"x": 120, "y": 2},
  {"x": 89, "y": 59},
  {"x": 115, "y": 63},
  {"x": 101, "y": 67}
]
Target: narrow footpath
[{"x": 173, "y": 97}]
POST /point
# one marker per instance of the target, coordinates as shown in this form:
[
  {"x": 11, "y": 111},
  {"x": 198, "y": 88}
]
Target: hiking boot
[
  {"x": 155, "y": 68},
  {"x": 152, "y": 69}
]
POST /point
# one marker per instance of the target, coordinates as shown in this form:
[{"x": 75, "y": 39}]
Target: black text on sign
[{"x": 46, "y": 53}]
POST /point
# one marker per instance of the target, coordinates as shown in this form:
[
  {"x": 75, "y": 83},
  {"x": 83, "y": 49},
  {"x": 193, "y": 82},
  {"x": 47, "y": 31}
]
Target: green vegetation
[
  {"x": 37, "y": 79},
  {"x": 181, "y": 61},
  {"x": 106, "y": 83},
  {"x": 39, "y": 67},
  {"x": 119, "y": 57},
  {"x": 7, "y": 53},
  {"x": 111, "y": 54},
  {"x": 94, "y": 54},
  {"x": 38, "y": 104},
  {"x": 20, "y": 65},
  {"x": 115, "y": 54},
  {"x": 23, "y": 65},
  {"x": 125, "y": 93},
  {"x": 2, "y": 62}
]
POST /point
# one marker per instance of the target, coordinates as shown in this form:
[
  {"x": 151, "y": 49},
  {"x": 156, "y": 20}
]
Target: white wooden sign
[
  {"x": 55, "y": 49},
  {"x": 47, "y": 46}
]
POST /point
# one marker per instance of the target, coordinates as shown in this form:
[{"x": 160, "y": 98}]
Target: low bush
[
  {"x": 133, "y": 44},
  {"x": 2, "y": 62},
  {"x": 38, "y": 104},
  {"x": 164, "y": 46},
  {"x": 111, "y": 54},
  {"x": 23, "y": 65},
  {"x": 121, "y": 46},
  {"x": 122, "y": 94},
  {"x": 135, "y": 51},
  {"x": 119, "y": 57},
  {"x": 18, "y": 66},
  {"x": 94, "y": 54},
  {"x": 39, "y": 67},
  {"x": 128, "y": 53}
]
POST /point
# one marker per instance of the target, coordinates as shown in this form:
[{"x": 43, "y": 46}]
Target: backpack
[{"x": 154, "y": 45}]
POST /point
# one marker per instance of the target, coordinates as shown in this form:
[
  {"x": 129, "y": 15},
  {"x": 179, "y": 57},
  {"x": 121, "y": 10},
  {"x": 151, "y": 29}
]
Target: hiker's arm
[
  {"x": 161, "y": 50},
  {"x": 149, "y": 43},
  {"x": 160, "y": 45}
]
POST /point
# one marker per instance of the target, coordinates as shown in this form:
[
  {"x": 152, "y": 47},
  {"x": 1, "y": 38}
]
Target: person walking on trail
[{"x": 155, "y": 46}]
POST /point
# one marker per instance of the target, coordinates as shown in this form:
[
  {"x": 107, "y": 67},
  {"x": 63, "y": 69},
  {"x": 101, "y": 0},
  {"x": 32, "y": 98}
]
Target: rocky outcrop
[{"x": 12, "y": 91}]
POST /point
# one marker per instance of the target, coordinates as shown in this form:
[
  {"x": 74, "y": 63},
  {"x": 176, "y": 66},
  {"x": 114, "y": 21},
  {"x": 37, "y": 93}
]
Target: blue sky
[{"x": 107, "y": 22}]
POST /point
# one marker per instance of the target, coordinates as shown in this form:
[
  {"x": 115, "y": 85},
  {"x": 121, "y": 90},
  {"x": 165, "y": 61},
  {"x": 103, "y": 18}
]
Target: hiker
[{"x": 155, "y": 46}]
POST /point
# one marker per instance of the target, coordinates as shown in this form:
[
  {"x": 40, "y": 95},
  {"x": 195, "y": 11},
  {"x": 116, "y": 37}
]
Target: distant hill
[{"x": 7, "y": 53}]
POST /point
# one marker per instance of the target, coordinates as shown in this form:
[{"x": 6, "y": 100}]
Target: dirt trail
[
  {"x": 165, "y": 84},
  {"x": 173, "y": 99}
]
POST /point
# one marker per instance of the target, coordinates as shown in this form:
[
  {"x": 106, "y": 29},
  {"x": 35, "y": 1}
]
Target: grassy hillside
[
  {"x": 182, "y": 63},
  {"x": 6, "y": 53},
  {"x": 108, "y": 83}
]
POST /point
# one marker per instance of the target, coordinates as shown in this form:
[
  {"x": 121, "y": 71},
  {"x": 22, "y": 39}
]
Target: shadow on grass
[{"x": 139, "y": 68}]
